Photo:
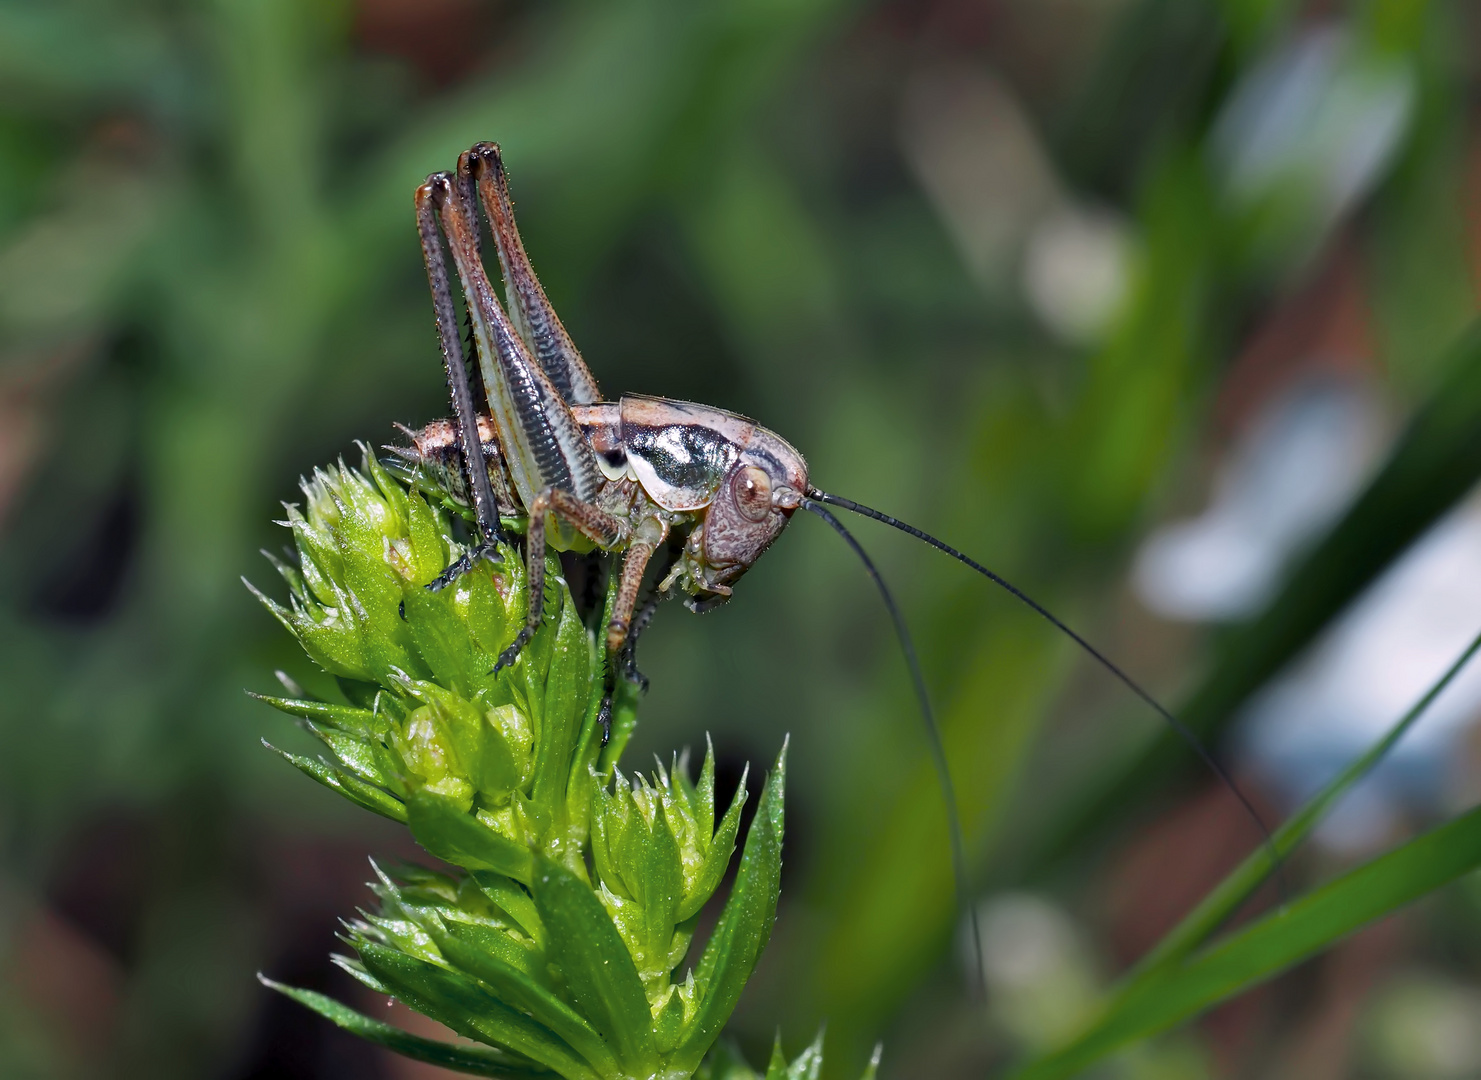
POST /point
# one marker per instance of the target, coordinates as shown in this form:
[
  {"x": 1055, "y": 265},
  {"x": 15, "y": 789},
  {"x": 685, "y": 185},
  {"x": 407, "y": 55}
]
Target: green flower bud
[
  {"x": 556, "y": 946},
  {"x": 658, "y": 861},
  {"x": 425, "y": 710}
]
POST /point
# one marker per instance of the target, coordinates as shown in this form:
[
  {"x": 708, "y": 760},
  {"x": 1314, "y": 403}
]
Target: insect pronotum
[{"x": 634, "y": 477}]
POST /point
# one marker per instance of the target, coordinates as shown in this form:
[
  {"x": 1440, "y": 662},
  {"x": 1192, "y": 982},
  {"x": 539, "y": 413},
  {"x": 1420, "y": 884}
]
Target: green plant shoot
[{"x": 555, "y": 947}]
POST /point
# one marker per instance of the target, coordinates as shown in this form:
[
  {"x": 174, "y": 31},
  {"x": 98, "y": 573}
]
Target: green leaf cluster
[
  {"x": 428, "y": 733},
  {"x": 555, "y": 947}
]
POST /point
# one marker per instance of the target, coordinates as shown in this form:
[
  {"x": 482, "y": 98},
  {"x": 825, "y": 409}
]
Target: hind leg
[{"x": 465, "y": 414}]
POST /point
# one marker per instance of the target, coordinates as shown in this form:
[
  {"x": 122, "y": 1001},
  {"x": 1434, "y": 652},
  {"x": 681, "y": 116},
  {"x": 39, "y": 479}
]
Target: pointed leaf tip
[
  {"x": 598, "y": 969},
  {"x": 745, "y": 923},
  {"x": 472, "y": 1059}
]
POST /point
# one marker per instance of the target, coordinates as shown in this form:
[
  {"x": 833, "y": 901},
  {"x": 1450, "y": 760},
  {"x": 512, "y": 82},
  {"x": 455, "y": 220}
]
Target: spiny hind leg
[
  {"x": 439, "y": 186},
  {"x": 600, "y": 527},
  {"x": 531, "y": 311}
]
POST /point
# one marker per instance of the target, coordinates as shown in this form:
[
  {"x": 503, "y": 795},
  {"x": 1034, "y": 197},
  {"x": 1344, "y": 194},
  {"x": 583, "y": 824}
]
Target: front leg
[
  {"x": 645, "y": 615},
  {"x": 650, "y": 533},
  {"x": 606, "y": 531},
  {"x": 634, "y": 566}
]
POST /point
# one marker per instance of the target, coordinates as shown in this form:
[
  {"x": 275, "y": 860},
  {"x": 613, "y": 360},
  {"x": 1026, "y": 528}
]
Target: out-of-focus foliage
[
  {"x": 1180, "y": 977},
  {"x": 850, "y": 221}
]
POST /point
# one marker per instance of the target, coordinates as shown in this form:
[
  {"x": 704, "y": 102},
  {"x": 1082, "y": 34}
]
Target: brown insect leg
[
  {"x": 601, "y": 527},
  {"x": 529, "y": 308},
  {"x": 634, "y": 566},
  {"x": 672, "y": 553},
  {"x": 484, "y": 504}
]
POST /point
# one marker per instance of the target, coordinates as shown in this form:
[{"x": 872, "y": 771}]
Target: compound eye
[{"x": 752, "y": 489}]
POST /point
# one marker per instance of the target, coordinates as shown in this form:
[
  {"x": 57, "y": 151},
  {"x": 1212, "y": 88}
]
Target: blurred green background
[{"x": 1023, "y": 272}]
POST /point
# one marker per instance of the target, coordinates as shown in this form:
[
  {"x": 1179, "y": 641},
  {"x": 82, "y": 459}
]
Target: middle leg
[
  {"x": 605, "y": 530},
  {"x": 649, "y": 534}
]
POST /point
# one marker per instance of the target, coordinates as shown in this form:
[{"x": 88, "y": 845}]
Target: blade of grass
[
  {"x": 1225, "y": 898},
  {"x": 1219, "y": 904},
  {"x": 1272, "y": 944}
]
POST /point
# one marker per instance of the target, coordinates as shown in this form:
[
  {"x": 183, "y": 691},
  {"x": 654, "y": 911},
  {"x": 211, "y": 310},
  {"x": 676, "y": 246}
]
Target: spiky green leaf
[
  {"x": 461, "y": 839},
  {"x": 470, "y": 1009},
  {"x": 722, "y": 846},
  {"x": 595, "y": 964},
  {"x": 350, "y": 786},
  {"x": 745, "y": 924},
  {"x": 467, "y": 949},
  {"x": 475, "y": 1060}
]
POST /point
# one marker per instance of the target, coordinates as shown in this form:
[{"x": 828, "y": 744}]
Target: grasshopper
[
  {"x": 629, "y": 477},
  {"x": 621, "y": 476}
]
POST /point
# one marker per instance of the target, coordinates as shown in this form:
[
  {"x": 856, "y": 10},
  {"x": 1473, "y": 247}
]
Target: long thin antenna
[
  {"x": 1182, "y": 729},
  {"x": 933, "y": 736}
]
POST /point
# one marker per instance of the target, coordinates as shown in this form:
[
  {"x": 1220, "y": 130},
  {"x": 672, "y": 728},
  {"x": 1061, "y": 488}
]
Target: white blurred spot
[
  {"x": 1076, "y": 268},
  {"x": 1040, "y": 979},
  {"x": 1426, "y": 1027},
  {"x": 1313, "y": 125},
  {"x": 980, "y": 163},
  {"x": 1394, "y": 642},
  {"x": 1024, "y": 940},
  {"x": 1289, "y": 477}
]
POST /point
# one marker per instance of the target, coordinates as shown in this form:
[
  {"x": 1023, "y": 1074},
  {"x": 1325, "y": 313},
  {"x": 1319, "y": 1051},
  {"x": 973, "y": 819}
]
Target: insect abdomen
[{"x": 436, "y": 454}]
